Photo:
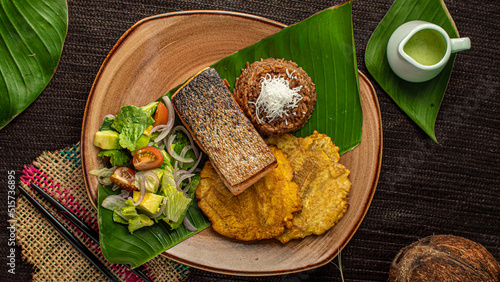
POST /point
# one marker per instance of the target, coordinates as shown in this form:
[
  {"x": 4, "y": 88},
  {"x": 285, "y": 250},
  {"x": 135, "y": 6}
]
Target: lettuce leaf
[
  {"x": 138, "y": 222},
  {"x": 150, "y": 108},
  {"x": 106, "y": 124},
  {"x": 131, "y": 122},
  {"x": 177, "y": 204},
  {"x": 116, "y": 157}
]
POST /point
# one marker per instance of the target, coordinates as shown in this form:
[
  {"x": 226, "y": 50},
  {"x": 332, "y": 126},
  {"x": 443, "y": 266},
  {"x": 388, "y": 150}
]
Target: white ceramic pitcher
[{"x": 418, "y": 57}]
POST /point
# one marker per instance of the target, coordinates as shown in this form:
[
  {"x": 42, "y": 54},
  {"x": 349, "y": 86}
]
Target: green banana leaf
[
  {"x": 420, "y": 101},
  {"x": 32, "y": 34},
  {"x": 323, "y": 45}
]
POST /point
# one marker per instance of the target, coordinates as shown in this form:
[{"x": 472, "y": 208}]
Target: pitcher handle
[{"x": 460, "y": 44}]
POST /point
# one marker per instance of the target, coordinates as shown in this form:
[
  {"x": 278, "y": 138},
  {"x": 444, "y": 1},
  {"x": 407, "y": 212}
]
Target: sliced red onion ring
[
  {"x": 162, "y": 208},
  {"x": 149, "y": 173},
  {"x": 174, "y": 174},
  {"x": 182, "y": 178},
  {"x": 196, "y": 164},
  {"x": 185, "y": 150},
  {"x": 170, "y": 121},
  {"x": 189, "y": 226},
  {"x": 162, "y": 135},
  {"x": 160, "y": 127},
  {"x": 173, "y": 153},
  {"x": 143, "y": 189},
  {"x": 179, "y": 172},
  {"x": 178, "y": 189},
  {"x": 179, "y": 182},
  {"x": 143, "y": 184},
  {"x": 170, "y": 108},
  {"x": 188, "y": 134},
  {"x": 185, "y": 190}
]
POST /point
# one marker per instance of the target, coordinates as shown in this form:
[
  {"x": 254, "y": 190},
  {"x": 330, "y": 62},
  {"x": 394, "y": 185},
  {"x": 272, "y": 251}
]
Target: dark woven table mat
[{"x": 424, "y": 188}]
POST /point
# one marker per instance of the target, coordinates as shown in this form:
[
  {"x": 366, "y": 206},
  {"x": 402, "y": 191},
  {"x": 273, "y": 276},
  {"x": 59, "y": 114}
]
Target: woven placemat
[{"x": 60, "y": 174}]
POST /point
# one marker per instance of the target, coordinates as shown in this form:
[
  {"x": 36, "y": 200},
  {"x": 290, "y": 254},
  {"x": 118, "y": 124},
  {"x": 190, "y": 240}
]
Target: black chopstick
[
  {"x": 68, "y": 235},
  {"x": 81, "y": 225},
  {"x": 68, "y": 214}
]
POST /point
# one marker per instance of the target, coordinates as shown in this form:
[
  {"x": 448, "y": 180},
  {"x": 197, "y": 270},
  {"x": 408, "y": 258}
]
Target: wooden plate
[{"x": 159, "y": 53}]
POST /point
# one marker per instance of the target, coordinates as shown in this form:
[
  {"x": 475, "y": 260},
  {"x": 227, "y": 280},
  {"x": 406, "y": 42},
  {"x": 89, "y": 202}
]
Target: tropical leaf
[
  {"x": 420, "y": 101},
  {"x": 323, "y": 45},
  {"x": 32, "y": 34}
]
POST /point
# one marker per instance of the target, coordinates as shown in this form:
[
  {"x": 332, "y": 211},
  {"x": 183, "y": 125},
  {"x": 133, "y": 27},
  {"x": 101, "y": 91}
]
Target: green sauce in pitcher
[{"x": 427, "y": 47}]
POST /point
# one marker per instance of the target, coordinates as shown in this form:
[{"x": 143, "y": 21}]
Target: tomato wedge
[
  {"x": 123, "y": 177},
  {"x": 147, "y": 158},
  {"x": 161, "y": 114}
]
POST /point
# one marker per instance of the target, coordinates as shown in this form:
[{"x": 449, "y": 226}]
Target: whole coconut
[{"x": 444, "y": 258}]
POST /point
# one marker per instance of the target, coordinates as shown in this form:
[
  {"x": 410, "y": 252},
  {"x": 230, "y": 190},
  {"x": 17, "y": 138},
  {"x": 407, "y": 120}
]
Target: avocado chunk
[
  {"x": 107, "y": 140},
  {"x": 151, "y": 202}
]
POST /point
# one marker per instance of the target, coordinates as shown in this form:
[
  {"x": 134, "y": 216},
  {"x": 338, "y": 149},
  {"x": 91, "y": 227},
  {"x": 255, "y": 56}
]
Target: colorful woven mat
[{"x": 60, "y": 174}]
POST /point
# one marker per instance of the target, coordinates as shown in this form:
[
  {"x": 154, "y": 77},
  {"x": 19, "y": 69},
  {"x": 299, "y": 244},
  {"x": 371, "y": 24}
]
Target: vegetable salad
[{"x": 152, "y": 163}]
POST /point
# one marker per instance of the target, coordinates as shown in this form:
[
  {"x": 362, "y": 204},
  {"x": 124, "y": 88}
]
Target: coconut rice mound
[{"x": 269, "y": 78}]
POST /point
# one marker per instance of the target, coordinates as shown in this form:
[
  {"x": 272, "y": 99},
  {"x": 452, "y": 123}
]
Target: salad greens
[
  {"x": 161, "y": 197},
  {"x": 131, "y": 122},
  {"x": 116, "y": 157}
]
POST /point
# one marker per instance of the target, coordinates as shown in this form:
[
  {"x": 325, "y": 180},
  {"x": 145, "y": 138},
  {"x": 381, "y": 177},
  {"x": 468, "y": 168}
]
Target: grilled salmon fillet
[{"x": 238, "y": 153}]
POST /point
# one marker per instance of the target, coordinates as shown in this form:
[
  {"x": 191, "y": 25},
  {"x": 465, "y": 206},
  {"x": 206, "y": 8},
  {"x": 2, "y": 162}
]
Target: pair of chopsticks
[{"x": 92, "y": 234}]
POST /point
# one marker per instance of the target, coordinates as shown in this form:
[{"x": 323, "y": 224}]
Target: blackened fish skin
[{"x": 215, "y": 121}]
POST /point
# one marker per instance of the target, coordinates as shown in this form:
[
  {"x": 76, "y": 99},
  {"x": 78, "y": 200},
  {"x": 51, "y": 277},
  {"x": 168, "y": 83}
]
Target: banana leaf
[
  {"x": 323, "y": 45},
  {"x": 420, "y": 101},
  {"x": 32, "y": 34}
]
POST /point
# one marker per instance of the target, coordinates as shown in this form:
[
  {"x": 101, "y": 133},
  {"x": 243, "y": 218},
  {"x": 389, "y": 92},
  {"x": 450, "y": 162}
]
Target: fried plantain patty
[
  {"x": 324, "y": 183},
  {"x": 262, "y": 211}
]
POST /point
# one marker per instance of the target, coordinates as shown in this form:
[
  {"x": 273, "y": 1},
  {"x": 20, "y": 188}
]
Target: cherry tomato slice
[
  {"x": 147, "y": 158},
  {"x": 161, "y": 114},
  {"x": 123, "y": 177}
]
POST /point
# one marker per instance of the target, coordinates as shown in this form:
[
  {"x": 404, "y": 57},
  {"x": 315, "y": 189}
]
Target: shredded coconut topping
[
  {"x": 290, "y": 74},
  {"x": 276, "y": 98}
]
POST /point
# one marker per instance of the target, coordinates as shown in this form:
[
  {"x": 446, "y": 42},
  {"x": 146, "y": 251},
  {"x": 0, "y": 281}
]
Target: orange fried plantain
[
  {"x": 261, "y": 212},
  {"x": 324, "y": 183}
]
